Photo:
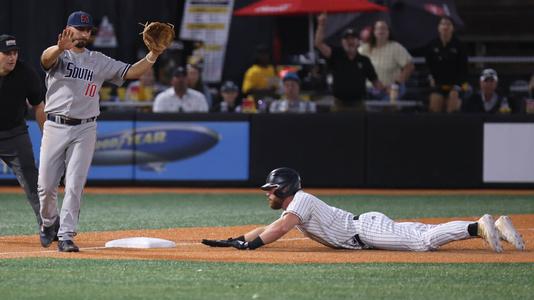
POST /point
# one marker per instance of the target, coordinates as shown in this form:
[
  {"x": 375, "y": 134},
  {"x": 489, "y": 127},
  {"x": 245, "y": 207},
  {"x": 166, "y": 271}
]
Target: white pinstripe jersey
[{"x": 323, "y": 223}]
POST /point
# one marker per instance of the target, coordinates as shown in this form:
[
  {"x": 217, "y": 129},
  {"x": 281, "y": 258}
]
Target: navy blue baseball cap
[
  {"x": 229, "y": 86},
  {"x": 8, "y": 43},
  {"x": 80, "y": 19},
  {"x": 291, "y": 76}
]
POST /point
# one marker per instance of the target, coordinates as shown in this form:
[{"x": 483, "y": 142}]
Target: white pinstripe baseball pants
[{"x": 379, "y": 231}]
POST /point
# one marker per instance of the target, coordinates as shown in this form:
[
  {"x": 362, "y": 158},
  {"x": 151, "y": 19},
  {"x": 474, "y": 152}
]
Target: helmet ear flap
[{"x": 279, "y": 193}]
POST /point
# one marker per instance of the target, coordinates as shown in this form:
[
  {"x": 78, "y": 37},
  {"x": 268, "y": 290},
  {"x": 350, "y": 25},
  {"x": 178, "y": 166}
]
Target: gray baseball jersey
[
  {"x": 337, "y": 228},
  {"x": 72, "y": 84},
  {"x": 74, "y": 81}
]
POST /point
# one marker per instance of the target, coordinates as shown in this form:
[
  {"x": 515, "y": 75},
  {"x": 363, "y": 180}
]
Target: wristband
[
  {"x": 256, "y": 243},
  {"x": 240, "y": 238},
  {"x": 150, "y": 61}
]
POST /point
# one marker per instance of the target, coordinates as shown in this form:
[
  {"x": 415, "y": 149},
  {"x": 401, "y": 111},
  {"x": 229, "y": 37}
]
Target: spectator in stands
[
  {"x": 229, "y": 98},
  {"x": 260, "y": 79},
  {"x": 487, "y": 100},
  {"x": 392, "y": 62},
  {"x": 447, "y": 61},
  {"x": 314, "y": 80},
  {"x": 194, "y": 81},
  {"x": 349, "y": 69},
  {"x": 180, "y": 98},
  {"x": 144, "y": 89},
  {"x": 531, "y": 87},
  {"x": 291, "y": 101}
]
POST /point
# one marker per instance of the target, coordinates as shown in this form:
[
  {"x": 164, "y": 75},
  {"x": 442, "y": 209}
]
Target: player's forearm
[
  {"x": 49, "y": 57},
  {"x": 273, "y": 233},
  {"x": 140, "y": 67},
  {"x": 251, "y": 235},
  {"x": 40, "y": 115}
]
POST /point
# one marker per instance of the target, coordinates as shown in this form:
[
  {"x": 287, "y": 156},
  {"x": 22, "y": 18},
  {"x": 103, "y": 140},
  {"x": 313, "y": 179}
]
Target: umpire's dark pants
[{"x": 17, "y": 153}]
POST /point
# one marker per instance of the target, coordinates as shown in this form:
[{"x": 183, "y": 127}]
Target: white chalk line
[{"x": 101, "y": 248}]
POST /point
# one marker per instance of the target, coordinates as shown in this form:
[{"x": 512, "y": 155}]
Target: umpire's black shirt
[
  {"x": 447, "y": 64},
  {"x": 350, "y": 75},
  {"x": 20, "y": 84}
]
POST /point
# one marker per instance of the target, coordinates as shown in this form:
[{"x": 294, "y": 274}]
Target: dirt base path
[
  {"x": 315, "y": 191},
  {"x": 293, "y": 248}
]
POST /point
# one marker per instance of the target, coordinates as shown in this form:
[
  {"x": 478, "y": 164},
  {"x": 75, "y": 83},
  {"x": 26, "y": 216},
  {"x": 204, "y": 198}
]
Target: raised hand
[
  {"x": 64, "y": 40},
  {"x": 321, "y": 19}
]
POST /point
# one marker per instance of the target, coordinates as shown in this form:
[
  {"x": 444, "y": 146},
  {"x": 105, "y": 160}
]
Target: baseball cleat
[
  {"x": 487, "y": 231},
  {"x": 67, "y": 246},
  {"x": 508, "y": 233},
  {"x": 49, "y": 234}
]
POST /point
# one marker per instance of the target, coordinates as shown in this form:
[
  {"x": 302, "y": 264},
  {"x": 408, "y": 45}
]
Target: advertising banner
[
  {"x": 208, "y": 21},
  {"x": 508, "y": 152},
  {"x": 177, "y": 150}
]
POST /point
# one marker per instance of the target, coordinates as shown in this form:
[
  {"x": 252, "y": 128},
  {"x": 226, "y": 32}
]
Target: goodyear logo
[
  {"x": 128, "y": 139},
  {"x": 156, "y": 144}
]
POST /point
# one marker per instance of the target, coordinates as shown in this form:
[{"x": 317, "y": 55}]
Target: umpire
[{"x": 19, "y": 84}]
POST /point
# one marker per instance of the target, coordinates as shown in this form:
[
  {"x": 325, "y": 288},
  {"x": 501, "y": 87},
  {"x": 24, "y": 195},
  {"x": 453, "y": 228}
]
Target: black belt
[
  {"x": 357, "y": 236},
  {"x": 68, "y": 121}
]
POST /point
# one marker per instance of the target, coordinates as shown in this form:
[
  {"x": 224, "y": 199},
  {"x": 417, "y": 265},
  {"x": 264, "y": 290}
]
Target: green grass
[
  {"x": 45, "y": 278},
  {"x": 94, "y": 279},
  {"x": 117, "y": 212}
]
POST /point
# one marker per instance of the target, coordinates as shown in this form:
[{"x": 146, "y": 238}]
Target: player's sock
[{"x": 472, "y": 229}]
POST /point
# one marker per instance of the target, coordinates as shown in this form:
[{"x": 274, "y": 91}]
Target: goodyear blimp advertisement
[{"x": 144, "y": 151}]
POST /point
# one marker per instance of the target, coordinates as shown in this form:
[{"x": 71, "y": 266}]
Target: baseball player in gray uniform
[
  {"x": 337, "y": 228},
  {"x": 74, "y": 76}
]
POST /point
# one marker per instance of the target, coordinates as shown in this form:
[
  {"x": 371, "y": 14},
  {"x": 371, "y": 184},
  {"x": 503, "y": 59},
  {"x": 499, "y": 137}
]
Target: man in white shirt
[
  {"x": 180, "y": 98},
  {"x": 291, "y": 101},
  {"x": 337, "y": 228}
]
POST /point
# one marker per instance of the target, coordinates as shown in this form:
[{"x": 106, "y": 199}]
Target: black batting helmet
[{"x": 285, "y": 180}]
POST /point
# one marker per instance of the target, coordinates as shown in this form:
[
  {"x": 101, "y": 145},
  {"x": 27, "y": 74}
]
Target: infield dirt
[{"x": 293, "y": 248}]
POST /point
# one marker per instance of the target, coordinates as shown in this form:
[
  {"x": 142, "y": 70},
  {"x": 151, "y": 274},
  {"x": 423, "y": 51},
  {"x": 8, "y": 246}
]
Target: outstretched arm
[
  {"x": 140, "y": 67},
  {"x": 325, "y": 50},
  {"x": 251, "y": 235},
  {"x": 259, "y": 236},
  {"x": 279, "y": 228}
]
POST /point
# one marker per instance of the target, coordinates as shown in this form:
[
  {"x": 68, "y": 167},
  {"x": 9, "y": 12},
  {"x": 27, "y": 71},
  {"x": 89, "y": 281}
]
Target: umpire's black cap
[{"x": 8, "y": 43}]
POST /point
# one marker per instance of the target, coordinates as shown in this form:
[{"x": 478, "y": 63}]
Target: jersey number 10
[{"x": 90, "y": 90}]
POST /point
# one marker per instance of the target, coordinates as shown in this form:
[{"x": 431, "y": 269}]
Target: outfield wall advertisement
[
  {"x": 127, "y": 150},
  {"x": 509, "y": 152}
]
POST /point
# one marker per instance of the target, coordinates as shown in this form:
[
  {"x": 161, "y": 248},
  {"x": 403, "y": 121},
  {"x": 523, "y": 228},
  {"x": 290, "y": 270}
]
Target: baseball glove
[
  {"x": 158, "y": 36},
  {"x": 241, "y": 245}
]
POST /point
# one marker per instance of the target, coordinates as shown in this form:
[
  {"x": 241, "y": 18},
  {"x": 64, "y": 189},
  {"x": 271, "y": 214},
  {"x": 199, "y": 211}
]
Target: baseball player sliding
[
  {"x": 74, "y": 76},
  {"x": 337, "y": 228}
]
